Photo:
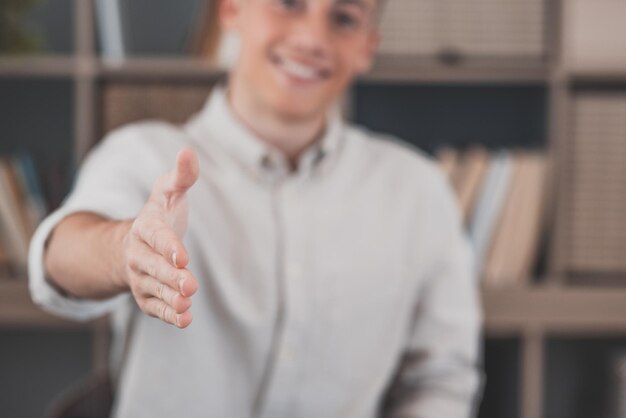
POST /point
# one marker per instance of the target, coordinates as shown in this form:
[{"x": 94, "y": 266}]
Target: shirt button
[{"x": 266, "y": 162}]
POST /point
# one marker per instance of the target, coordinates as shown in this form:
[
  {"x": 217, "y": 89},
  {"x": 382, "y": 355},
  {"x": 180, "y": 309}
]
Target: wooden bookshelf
[{"x": 531, "y": 313}]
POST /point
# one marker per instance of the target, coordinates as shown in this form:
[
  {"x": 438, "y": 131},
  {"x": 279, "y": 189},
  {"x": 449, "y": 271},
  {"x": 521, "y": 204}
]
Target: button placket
[{"x": 285, "y": 371}]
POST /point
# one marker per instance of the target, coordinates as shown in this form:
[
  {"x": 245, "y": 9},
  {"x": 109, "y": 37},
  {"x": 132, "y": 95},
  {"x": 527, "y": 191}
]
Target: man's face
[{"x": 298, "y": 56}]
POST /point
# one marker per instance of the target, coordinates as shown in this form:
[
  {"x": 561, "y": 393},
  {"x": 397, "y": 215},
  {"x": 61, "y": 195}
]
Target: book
[
  {"x": 448, "y": 158},
  {"x": 111, "y": 29},
  {"x": 31, "y": 198},
  {"x": 18, "y": 193},
  {"x": 5, "y": 261},
  {"x": 12, "y": 229},
  {"x": 489, "y": 206},
  {"x": 513, "y": 250},
  {"x": 468, "y": 178},
  {"x": 26, "y": 167},
  {"x": 206, "y": 38}
]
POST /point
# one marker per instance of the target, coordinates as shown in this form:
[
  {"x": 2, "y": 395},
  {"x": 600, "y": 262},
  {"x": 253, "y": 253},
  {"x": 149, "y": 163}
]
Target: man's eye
[
  {"x": 291, "y": 4},
  {"x": 345, "y": 20}
]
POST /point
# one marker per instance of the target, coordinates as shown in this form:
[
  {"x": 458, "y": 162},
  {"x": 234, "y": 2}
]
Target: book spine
[{"x": 111, "y": 29}]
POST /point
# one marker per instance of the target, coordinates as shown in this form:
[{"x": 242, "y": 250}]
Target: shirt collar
[{"x": 217, "y": 124}]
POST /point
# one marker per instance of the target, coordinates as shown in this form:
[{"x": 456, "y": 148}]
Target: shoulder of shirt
[
  {"x": 390, "y": 153},
  {"x": 410, "y": 170}
]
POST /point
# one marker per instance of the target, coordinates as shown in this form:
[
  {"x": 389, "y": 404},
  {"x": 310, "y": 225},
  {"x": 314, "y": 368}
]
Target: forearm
[{"x": 83, "y": 257}]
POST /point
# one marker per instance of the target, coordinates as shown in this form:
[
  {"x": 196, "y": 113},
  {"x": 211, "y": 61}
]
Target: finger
[
  {"x": 185, "y": 172},
  {"x": 161, "y": 238},
  {"x": 152, "y": 264},
  {"x": 159, "y": 309},
  {"x": 151, "y": 287}
]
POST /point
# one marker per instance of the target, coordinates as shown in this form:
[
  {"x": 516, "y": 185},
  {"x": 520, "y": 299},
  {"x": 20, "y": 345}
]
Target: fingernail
[
  {"x": 178, "y": 321},
  {"x": 174, "y": 258},
  {"x": 181, "y": 284}
]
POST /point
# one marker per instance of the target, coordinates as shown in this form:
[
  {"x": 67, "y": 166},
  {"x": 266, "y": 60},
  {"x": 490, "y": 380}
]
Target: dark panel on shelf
[
  {"x": 501, "y": 391},
  {"x": 37, "y": 117},
  {"x": 160, "y": 27},
  {"x": 52, "y": 22},
  {"x": 579, "y": 378},
  {"x": 432, "y": 115},
  {"x": 37, "y": 366}
]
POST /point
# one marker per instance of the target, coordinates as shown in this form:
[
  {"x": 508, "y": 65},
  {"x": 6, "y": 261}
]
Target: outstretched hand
[{"x": 155, "y": 257}]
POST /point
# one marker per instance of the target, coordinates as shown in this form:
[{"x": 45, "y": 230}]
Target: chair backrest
[{"x": 88, "y": 398}]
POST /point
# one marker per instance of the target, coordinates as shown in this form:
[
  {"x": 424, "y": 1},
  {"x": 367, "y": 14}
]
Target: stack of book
[
  {"x": 595, "y": 234},
  {"x": 502, "y": 199},
  {"x": 174, "y": 103},
  {"x": 22, "y": 207},
  {"x": 460, "y": 28}
]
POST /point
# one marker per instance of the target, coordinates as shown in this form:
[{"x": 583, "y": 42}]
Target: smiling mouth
[{"x": 300, "y": 71}]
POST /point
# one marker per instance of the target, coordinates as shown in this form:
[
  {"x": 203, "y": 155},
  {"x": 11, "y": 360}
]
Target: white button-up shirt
[{"x": 338, "y": 290}]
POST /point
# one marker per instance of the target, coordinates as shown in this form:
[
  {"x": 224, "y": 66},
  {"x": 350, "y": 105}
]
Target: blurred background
[{"x": 523, "y": 102}]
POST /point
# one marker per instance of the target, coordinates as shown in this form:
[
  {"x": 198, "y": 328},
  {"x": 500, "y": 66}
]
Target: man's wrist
[{"x": 120, "y": 233}]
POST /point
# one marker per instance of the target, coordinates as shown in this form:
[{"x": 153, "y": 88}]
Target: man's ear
[
  {"x": 368, "y": 53},
  {"x": 229, "y": 12}
]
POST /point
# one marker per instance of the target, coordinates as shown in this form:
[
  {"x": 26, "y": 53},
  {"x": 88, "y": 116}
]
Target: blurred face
[{"x": 298, "y": 56}]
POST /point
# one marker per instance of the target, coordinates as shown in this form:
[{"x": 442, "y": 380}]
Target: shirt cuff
[
  {"x": 434, "y": 404},
  {"x": 45, "y": 295}
]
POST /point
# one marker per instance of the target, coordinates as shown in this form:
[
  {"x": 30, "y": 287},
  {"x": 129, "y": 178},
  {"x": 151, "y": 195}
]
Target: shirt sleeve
[
  {"x": 438, "y": 375},
  {"x": 113, "y": 182}
]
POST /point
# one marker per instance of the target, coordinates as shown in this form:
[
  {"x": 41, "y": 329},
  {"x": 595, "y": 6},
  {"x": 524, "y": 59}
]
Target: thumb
[{"x": 185, "y": 173}]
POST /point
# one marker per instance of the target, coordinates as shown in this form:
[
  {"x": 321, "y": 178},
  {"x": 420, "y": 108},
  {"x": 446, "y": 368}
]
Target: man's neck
[{"x": 291, "y": 137}]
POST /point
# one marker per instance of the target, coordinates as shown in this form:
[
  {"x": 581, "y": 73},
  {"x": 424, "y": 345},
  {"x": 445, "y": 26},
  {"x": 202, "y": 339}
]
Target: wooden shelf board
[
  {"x": 386, "y": 69},
  {"x": 37, "y": 66},
  {"x": 555, "y": 310},
  {"x": 18, "y": 310},
  {"x": 410, "y": 69},
  {"x": 507, "y": 310},
  {"x": 597, "y": 75},
  {"x": 160, "y": 68}
]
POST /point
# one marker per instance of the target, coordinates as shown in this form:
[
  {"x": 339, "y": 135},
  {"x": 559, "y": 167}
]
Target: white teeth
[{"x": 299, "y": 70}]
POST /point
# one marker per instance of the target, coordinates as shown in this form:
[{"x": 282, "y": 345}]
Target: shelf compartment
[
  {"x": 502, "y": 357},
  {"x": 38, "y": 364},
  {"x": 580, "y": 376},
  {"x": 430, "y": 116}
]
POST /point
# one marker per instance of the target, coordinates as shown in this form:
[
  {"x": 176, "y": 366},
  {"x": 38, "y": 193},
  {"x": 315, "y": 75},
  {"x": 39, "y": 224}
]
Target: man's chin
[{"x": 296, "y": 109}]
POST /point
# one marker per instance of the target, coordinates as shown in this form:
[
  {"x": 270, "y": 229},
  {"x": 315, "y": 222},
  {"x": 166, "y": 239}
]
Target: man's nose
[{"x": 311, "y": 34}]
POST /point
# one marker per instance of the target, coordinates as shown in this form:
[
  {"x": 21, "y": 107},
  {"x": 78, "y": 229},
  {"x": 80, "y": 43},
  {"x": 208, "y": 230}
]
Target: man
[{"x": 328, "y": 269}]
